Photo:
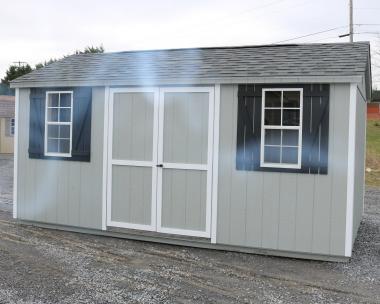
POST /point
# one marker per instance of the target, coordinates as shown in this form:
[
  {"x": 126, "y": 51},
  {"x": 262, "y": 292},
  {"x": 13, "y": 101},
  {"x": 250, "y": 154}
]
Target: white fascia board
[{"x": 351, "y": 169}]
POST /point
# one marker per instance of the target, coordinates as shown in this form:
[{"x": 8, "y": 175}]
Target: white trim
[
  {"x": 105, "y": 158},
  {"x": 58, "y": 123},
  {"x": 133, "y": 163},
  {"x": 281, "y": 127},
  {"x": 186, "y": 232},
  {"x": 15, "y": 152},
  {"x": 117, "y": 162},
  {"x": 131, "y": 226},
  {"x": 350, "y": 169},
  {"x": 183, "y": 166},
  {"x": 215, "y": 166}
]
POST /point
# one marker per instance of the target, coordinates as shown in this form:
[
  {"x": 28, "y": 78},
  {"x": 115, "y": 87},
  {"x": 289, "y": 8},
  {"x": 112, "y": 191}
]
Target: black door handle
[{"x": 160, "y": 166}]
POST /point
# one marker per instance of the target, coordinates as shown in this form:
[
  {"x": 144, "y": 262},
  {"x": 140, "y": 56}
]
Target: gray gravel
[{"x": 47, "y": 266}]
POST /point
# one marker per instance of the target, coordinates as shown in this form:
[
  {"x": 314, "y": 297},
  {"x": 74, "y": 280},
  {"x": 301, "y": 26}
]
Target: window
[
  {"x": 12, "y": 127},
  {"x": 281, "y": 128},
  {"x": 58, "y": 123}
]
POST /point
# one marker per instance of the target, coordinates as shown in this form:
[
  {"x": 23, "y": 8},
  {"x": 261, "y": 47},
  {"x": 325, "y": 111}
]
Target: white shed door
[{"x": 160, "y": 160}]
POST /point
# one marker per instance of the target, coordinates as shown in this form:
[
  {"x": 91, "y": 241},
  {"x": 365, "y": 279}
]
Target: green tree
[
  {"x": 45, "y": 63},
  {"x": 15, "y": 71},
  {"x": 91, "y": 50}
]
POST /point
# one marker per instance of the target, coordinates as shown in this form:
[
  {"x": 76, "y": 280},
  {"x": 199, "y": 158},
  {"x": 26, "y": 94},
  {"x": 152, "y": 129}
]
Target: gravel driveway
[{"x": 47, "y": 266}]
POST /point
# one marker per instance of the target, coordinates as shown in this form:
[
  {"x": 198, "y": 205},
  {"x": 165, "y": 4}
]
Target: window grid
[
  {"x": 281, "y": 127},
  {"x": 49, "y": 121},
  {"x": 12, "y": 127}
]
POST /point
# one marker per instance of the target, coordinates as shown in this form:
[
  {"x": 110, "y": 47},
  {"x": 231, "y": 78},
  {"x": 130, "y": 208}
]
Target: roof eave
[{"x": 196, "y": 81}]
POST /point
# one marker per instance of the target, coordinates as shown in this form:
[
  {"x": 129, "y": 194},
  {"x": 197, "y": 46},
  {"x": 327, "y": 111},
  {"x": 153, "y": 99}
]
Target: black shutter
[
  {"x": 81, "y": 137},
  {"x": 314, "y": 131},
  {"x": 37, "y": 123},
  {"x": 81, "y": 147}
]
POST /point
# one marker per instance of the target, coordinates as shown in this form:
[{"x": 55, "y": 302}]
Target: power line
[{"x": 312, "y": 34}]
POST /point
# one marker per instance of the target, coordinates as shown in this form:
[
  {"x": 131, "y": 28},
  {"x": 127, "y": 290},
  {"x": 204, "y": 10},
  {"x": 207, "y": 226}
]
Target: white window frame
[
  {"x": 12, "y": 123},
  {"x": 280, "y": 127},
  {"x": 47, "y": 123}
]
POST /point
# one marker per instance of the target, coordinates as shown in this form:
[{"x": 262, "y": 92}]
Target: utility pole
[{"x": 351, "y": 21}]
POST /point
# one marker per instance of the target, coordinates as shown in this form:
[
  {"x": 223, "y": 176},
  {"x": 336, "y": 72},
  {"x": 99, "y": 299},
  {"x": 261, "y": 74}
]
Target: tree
[
  {"x": 88, "y": 50},
  {"x": 91, "y": 50},
  {"x": 45, "y": 63},
  {"x": 15, "y": 71}
]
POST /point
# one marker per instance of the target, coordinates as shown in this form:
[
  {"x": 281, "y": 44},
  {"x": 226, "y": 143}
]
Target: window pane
[
  {"x": 65, "y": 100},
  {"x": 272, "y": 117},
  {"x": 65, "y": 115},
  {"x": 291, "y": 99},
  {"x": 291, "y": 118},
  {"x": 64, "y": 146},
  {"x": 272, "y": 154},
  {"x": 290, "y": 137},
  {"x": 272, "y": 137},
  {"x": 53, "y": 131},
  {"x": 289, "y": 155},
  {"x": 52, "y": 115},
  {"x": 273, "y": 99},
  {"x": 64, "y": 132},
  {"x": 52, "y": 145},
  {"x": 53, "y": 100}
]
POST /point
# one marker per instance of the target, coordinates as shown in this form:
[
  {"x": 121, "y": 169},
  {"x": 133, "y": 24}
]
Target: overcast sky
[{"x": 34, "y": 31}]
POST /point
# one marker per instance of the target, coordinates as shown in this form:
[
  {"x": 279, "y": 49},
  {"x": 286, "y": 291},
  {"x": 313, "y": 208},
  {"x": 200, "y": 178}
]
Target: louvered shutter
[
  {"x": 81, "y": 147},
  {"x": 314, "y": 130},
  {"x": 37, "y": 123}
]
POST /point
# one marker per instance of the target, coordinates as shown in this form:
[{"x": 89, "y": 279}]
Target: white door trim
[
  {"x": 207, "y": 167},
  {"x": 215, "y": 166},
  {"x": 112, "y": 162}
]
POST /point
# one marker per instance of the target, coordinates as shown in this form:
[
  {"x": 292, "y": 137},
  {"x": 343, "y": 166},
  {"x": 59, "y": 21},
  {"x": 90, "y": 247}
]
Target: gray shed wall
[
  {"x": 284, "y": 211},
  {"x": 281, "y": 211},
  {"x": 61, "y": 192}
]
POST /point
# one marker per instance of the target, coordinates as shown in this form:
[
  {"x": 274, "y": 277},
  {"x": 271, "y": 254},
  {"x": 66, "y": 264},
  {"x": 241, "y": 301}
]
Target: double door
[{"x": 160, "y": 159}]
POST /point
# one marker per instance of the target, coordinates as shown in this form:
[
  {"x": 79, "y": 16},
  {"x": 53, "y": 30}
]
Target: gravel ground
[{"x": 47, "y": 266}]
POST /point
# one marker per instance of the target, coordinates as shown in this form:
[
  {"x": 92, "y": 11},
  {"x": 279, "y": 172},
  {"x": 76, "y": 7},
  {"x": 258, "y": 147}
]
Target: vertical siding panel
[
  {"x": 339, "y": 163},
  {"x": 271, "y": 202},
  {"x": 74, "y": 195},
  {"x": 321, "y": 223},
  {"x": 287, "y": 220},
  {"x": 62, "y": 194},
  {"x": 238, "y": 207},
  {"x": 254, "y": 210},
  {"x": 304, "y": 212},
  {"x": 238, "y": 192},
  {"x": 228, "y": 112}
]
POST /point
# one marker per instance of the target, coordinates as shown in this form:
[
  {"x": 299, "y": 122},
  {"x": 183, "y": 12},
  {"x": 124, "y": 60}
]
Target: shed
[
  {"x": 7, "y": 123},
  {"x": 255, "y": 149}
]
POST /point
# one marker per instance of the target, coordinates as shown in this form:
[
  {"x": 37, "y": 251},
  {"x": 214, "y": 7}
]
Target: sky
[{"x": 35, "y": 31}]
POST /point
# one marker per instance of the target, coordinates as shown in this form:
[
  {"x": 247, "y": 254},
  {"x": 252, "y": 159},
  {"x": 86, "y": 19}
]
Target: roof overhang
[{"x": 196, "y": 81}]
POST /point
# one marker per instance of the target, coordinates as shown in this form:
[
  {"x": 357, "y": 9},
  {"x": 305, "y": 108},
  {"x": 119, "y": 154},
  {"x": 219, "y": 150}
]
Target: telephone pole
[{"x": 351, "y": 21}]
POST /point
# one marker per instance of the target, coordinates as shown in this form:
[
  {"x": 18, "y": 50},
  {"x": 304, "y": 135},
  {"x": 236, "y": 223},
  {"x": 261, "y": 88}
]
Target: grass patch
[{"x": 373, "y": 153}]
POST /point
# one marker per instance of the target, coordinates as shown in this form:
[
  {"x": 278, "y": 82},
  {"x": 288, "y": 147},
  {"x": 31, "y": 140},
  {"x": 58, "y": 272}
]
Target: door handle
[{"x": 160, "y": 165}]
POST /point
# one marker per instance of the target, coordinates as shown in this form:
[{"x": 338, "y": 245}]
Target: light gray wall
[
  {"x": 360, "y": 142},
  {"x": 61, "y": 192},
  {"x": 285, "y": 211}
]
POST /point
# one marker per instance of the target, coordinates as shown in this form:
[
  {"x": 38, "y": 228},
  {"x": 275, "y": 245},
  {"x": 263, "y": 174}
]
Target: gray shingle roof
[{"x": 296, "y": 60}]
